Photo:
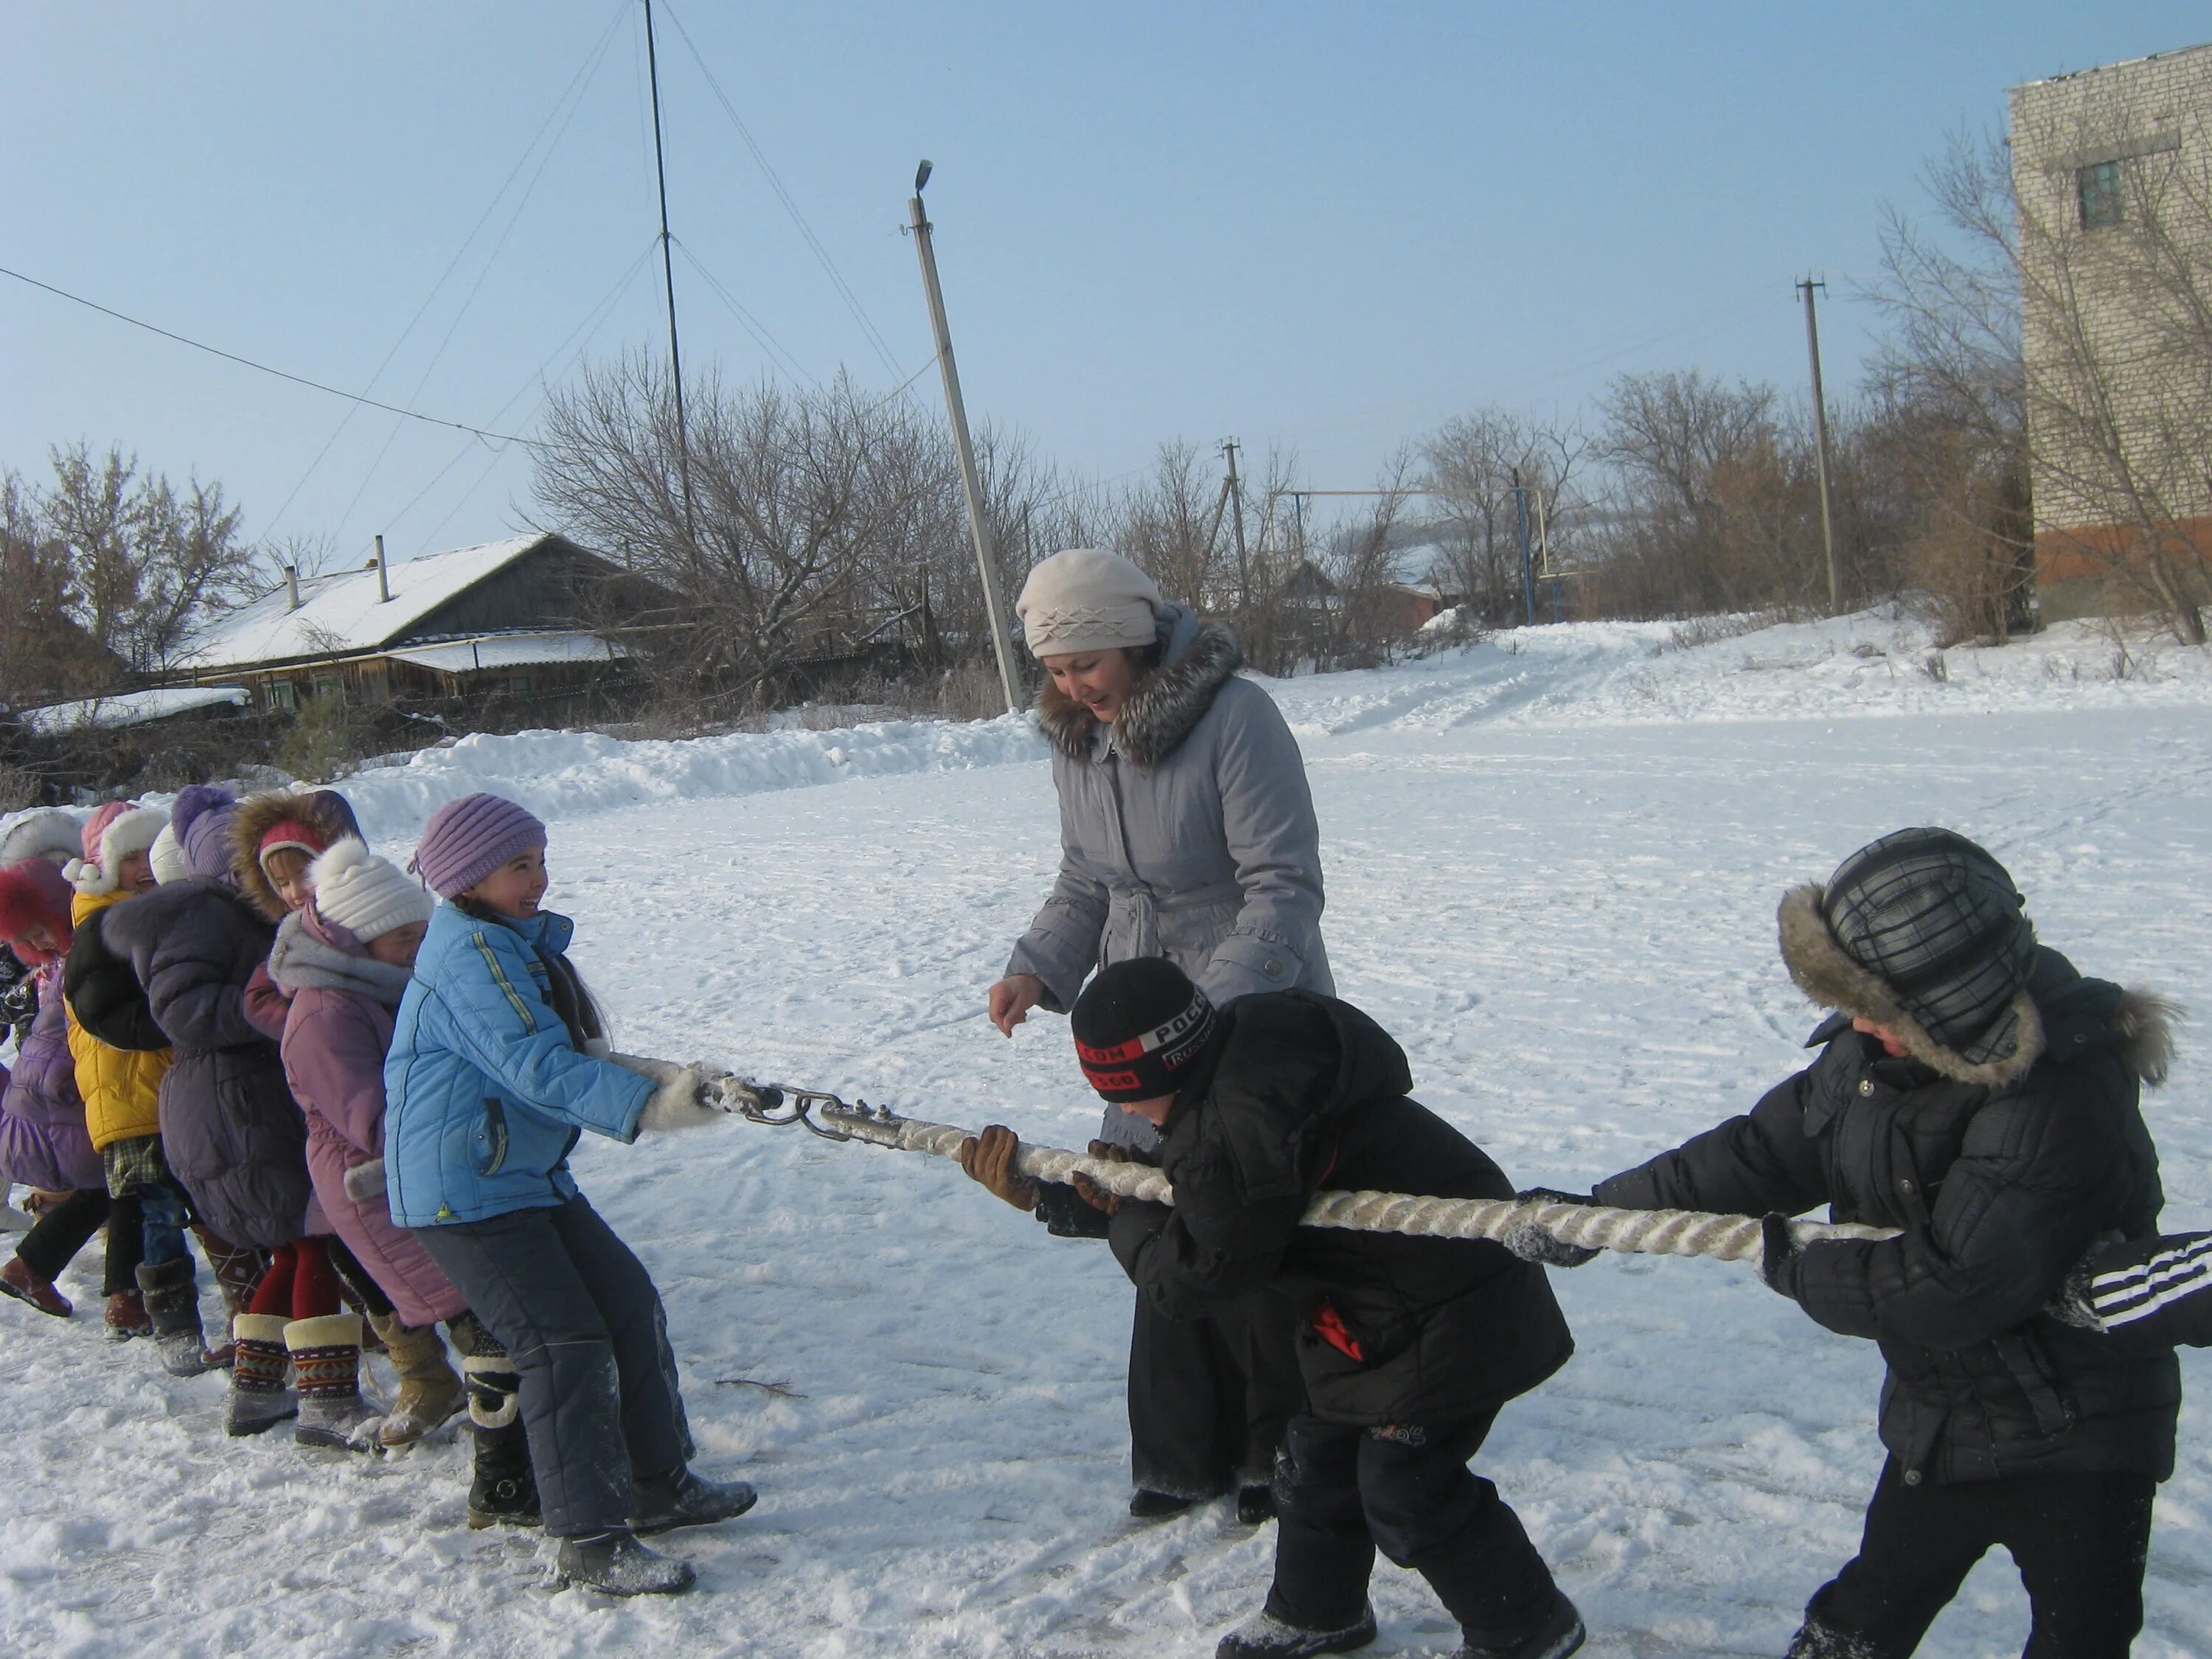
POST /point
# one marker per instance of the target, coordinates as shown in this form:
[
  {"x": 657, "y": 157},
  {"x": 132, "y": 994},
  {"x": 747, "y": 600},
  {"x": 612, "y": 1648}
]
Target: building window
[
  {"x": 519, "y": 685},
  {"x": 2098, "y": 187},
  {"x": 325, "y": 687},
  {"x": 279, "y": 693}
]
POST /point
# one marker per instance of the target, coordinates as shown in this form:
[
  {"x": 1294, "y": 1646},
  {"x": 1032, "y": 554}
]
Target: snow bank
[
  {"x": 1874, "y": 663},
  {"x": 565, "y": 774}
]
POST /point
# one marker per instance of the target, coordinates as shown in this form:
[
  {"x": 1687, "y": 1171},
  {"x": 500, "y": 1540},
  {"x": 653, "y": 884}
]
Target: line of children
[{"x": 211, "y": 1049}]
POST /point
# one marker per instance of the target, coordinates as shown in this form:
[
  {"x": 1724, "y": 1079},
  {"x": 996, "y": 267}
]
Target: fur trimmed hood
[
  {"x": 256, "y": 816},
  {"x": 1166, "y": 704},
  {"x": 2141, "y": 1021}
]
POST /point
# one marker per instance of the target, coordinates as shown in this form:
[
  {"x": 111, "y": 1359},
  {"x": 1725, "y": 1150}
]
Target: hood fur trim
[
  {"x": 1159, "y": 713},
  {"x": 256, "y": 816},
  {"x": 301, "y": 962},
  {"x": 126, "y": 833},
  {"x": 1826, "y": 974},
  {"x": 2144, "y": 1022}
]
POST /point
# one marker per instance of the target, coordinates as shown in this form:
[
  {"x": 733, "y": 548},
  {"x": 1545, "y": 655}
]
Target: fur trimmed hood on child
[{"x": 110, "y": 836}]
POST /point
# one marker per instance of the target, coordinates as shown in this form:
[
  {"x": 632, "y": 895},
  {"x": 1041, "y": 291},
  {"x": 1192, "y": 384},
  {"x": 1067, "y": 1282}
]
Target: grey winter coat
[
  {"x": 2001, "y": 1181},
  {"x": 1187, "y": 831},
  {"x": 230, "y": 1130}
]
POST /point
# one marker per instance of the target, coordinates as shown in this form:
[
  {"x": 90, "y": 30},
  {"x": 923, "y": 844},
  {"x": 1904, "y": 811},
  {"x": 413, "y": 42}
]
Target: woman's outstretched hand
[{"x": 1012, "y": 997}]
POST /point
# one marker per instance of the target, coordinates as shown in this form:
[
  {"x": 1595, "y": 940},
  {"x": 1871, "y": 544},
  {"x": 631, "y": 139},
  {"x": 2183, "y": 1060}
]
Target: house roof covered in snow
[
  {"x": 510, "y": 651},
  {"x": 344, "y": 610},
  {"x": 129, "y": 708}
]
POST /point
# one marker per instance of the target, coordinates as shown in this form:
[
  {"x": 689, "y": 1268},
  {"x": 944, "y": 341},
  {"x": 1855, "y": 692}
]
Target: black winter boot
[
  {"x": 615, "y": 1563},
  {"x": 683, "y": 1499},
  {"x": 173, "y": 1303},
  {"x": 1560, "y": 1634},
  {"x": 1263, "y": 1635},
  {"x": 503, "y": 1491},
  {"x": 1820, "y": 1641},
  {"x": 1145, "y": 1505},
  {"x": 1256, "y": 1505}
]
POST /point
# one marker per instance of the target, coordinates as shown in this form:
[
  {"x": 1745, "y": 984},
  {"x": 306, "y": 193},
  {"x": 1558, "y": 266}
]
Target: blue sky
[{"x": 1325, "y": 227}]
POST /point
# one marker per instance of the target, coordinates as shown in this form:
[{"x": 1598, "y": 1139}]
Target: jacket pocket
[
  {"x": 491, "y": 1139},
  {"x": 2050, "y": 1408}
]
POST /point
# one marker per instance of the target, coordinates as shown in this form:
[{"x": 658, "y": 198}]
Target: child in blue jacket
[{"x": 497, "y": 1066}]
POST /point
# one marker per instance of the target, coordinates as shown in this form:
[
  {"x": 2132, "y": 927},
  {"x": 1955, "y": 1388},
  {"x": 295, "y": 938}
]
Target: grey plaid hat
[{"x": 1923, "y": 932}]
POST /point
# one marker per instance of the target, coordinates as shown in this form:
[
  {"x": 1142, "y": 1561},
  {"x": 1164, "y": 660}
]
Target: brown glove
[
  {"x": 989, "y": 1159},
  {"x": 1089, "y": 1190}
]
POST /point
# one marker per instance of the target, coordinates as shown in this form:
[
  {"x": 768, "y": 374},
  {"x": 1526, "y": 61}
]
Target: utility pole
[
  {"x": 1820, "y": 442},
  {"x": 987, "y": 559},
  {"x": 1528, "y": 570},
  {"x": 668, "y": 278},
  {"x": 1237, "y": 507}
]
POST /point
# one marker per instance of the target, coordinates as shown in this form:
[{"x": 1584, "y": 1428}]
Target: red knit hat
[
  {"x": 32, "y": 892},
  {"x": 294, "y": 834}
]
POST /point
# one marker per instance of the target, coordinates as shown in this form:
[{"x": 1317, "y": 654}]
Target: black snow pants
[
  {"x": 580, "y": 1318},
  {"x": 1347, "y": 1492},
  {"x": 52, "y": 1243},
  {"x": 1209, "y": 1398},
  {"x": 2080, "y": 1542}
]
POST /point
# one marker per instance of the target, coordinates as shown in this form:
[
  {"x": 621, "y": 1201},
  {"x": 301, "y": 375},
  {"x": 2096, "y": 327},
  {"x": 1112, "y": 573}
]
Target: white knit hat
[
  {"x": 166, "y": 859},
  {"x": 1088, "y": 599},
  {"x": 364, "y": 894}
]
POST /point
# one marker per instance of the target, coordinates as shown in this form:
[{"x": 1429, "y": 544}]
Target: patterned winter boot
[
  {"x": 326, "y": 1365},
  {"x": 238, "y": 1269},
  {"x": 173, "y": 1303},
  {"x": 258, "y": 1398},
  {"x": 503, "y": 1492},
  {"x": 430, "y": 1392}
]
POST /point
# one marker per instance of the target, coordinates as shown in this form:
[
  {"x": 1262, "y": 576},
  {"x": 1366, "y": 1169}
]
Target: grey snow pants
[{"x": 585, "y": 1327}]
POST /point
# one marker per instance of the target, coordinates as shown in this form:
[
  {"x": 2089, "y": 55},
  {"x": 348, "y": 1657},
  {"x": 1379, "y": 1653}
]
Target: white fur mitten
[
  {"x": 661, "y": 1070},
  {"x": 365, "y": 1181},
  {"x": 679, "y": 1102}
]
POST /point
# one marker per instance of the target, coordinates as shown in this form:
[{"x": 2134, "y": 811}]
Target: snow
[
  {"x": 343, "y": 610},
  {"x": 1551, "y": 875},
  {"x": 511, "y": 651},
  {"x": 129, "y": 708}
]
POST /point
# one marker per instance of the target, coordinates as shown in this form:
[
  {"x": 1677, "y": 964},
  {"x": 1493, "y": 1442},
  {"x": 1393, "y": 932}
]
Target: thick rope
[{"x": 1594, "y": 1227}]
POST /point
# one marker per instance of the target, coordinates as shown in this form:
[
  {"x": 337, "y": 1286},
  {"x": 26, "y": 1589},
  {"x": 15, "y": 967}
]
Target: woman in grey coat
[{"x": 1187, "y": 831}]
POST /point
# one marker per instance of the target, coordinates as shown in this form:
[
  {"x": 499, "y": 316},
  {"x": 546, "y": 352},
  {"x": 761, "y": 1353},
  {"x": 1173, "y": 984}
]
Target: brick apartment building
[{"x": 2113, "y": 172}]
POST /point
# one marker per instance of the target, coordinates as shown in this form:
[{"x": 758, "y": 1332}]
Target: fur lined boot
[
  {"x": 258, "y": 1398},
  {"x": 503, "y": 1491},
  {"x": 430, "y": 1392},
  {"x": 171, "y": 1296},
  {"x": 327, "y": 1363}
]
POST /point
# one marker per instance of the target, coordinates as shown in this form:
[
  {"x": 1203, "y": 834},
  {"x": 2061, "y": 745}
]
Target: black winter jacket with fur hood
[
  {"x": 1298, "y": 1092},
  {"x": 2001, "y": 1188}
]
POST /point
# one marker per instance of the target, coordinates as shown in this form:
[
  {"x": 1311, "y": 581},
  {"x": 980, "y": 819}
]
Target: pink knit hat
[
  {"x": 466, "y": 840},
  {"x": 96, "y": 826}
]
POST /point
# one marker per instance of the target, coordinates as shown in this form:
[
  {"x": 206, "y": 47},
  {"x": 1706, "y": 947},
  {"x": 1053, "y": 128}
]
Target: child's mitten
[{"x": 679, "y": 1102}]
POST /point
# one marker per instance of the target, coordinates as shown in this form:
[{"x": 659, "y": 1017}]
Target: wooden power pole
[
  {"x": 987, "y": 558},
  {"x": 1820, "y": 442}
]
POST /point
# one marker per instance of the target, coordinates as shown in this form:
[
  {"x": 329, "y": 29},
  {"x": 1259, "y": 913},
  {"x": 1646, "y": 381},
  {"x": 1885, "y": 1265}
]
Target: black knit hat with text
[{"x": 1138, "y": 1027}]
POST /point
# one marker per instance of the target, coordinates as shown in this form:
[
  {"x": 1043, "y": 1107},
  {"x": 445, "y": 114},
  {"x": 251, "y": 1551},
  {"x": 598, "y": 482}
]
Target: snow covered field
[{"x": 1552, "y": 874}]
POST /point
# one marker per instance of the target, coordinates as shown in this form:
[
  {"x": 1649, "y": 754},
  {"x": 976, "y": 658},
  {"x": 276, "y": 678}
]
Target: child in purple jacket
[{"x": 343, "y": 959}]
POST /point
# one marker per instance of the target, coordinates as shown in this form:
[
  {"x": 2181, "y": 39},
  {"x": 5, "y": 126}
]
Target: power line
[
  {"x": 264, "y": 369},
  {"x": 746, "y": 320},
  {"x": 453, "y": 264},
  {"x": 836, "y": 277}
]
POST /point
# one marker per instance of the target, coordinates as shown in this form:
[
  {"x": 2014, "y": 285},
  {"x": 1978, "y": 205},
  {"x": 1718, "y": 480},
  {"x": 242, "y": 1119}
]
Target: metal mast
[{"x": 668, "y": 279}]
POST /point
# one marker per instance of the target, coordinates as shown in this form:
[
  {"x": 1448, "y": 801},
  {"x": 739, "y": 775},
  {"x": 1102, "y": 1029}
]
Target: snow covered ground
[{"x": 1552, "y": 874}]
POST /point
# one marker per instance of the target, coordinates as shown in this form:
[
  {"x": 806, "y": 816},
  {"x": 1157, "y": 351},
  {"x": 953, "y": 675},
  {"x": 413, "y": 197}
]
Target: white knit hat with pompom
[{"x": 364, "y": 894}]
